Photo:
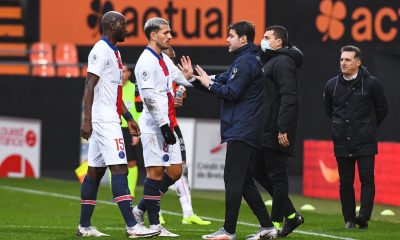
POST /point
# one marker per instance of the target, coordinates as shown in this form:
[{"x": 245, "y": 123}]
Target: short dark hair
[
  {"x": 154, "y": 25},
  {"x": 244, "y": 28},
  {"x": 351, "y": 48},
  {"x": 280, "y": 32}
]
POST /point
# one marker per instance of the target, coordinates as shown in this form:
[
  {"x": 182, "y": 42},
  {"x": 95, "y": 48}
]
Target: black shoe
[
  {"x": 361, "y": 221},
  {"x": 350, "y": 225},
  {"x": 291, "y": 224}
]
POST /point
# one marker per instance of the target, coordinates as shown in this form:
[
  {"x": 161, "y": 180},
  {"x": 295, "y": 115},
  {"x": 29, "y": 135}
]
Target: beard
[
  {"x": 162, "y": 46},
  {"x": 121, "y": 36}
]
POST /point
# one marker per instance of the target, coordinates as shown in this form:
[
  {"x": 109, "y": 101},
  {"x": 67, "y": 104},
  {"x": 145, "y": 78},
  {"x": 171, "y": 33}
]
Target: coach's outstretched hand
[{"x": 168, "y": 135}]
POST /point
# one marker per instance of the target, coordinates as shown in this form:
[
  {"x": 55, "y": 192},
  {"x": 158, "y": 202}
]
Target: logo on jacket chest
[{"x": 233, "y": 73}]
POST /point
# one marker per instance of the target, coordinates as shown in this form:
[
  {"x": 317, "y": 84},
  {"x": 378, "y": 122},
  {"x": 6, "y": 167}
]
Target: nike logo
[{"x": 331, "y": 175}]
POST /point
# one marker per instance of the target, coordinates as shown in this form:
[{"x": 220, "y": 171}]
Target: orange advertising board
[{"x": 193, "y": 23}]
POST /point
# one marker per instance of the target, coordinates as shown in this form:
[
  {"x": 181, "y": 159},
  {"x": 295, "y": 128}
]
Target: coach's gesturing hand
[{"x": 168, "y": 135}]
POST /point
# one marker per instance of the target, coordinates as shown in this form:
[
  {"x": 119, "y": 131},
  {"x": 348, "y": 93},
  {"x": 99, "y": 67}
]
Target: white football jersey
[
  {"x": 150, "y": 75},
  {"x": 104, "y": 63}
]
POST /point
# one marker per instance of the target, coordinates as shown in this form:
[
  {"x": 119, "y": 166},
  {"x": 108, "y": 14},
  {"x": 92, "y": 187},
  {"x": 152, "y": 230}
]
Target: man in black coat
[
  {"x": 356, "y": 104},
  {"x": 279, "y": 134}
]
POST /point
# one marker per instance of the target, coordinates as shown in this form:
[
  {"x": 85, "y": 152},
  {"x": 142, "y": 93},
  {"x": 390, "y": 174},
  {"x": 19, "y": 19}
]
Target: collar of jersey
[
  {"x": 154, "y": 53},
  {"x": 114, "y": 48}
]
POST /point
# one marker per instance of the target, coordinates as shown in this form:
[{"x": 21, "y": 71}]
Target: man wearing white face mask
[{"x": 281, "y": 108}]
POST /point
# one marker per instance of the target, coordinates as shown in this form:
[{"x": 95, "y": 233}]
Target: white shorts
[
  {"x": 157, "y": 153},
  {"x": 106, "y": 145}
]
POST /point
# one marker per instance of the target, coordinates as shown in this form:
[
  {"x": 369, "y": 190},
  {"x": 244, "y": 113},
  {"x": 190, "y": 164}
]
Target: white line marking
[
  {"x": 59, "y": 195},
  {"x": 106, "y": 228}
]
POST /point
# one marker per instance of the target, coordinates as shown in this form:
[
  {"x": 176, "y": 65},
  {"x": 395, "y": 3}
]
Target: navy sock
[
  {"x": 122, "y": 197},
  {"x": 89, "y": 190},
  {"x": 165, "y": 183},
  {"x": 151, "y": 196},
  {"x": 141, "y": 205}
]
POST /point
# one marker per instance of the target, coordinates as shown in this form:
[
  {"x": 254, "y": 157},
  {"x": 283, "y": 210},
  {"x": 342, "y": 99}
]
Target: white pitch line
[
  {"x": 69, "y": 228},
  {"x": 64, "y": 196}
]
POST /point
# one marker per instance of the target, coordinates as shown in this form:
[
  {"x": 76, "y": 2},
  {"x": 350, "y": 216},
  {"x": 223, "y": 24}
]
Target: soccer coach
[{"x": 241, "y": 89}]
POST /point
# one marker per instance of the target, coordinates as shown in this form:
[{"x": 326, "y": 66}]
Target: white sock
[{"x": 183, "y": 191}]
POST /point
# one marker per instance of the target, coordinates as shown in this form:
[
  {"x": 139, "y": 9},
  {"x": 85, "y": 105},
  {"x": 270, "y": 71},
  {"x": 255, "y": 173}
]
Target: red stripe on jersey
[
  {"x": 119, "y": 101},
  {"x": 123, "y": 198},
  {"x": 90, "y": 202},
  {"x": 163, "y": 66},
  {"x": 119, "y": 98},
  {"x": 118, "y": 59},
  {"x": 171, "y": 112}
]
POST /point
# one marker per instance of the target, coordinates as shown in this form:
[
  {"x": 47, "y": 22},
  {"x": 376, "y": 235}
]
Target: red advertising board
[{"x": 321, "y": 178}]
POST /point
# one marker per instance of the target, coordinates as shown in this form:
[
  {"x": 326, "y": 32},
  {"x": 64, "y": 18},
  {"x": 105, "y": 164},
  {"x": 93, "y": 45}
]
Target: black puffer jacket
[
  {"x": 281, "y": 96},
  {"x": 241, "y": 90},
  {"x": 356, "y": 109}
]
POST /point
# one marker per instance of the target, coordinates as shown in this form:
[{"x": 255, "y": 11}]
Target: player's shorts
[
  {"x": 157, "y": 153},
  {"x": 131, "y": 151},
  {"x": 106, "y": 145}
]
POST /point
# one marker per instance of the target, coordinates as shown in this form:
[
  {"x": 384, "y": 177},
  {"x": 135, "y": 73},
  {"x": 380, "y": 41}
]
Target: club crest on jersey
[
  {"x": 165, "y": 158},
  {"x": 121, "y": 154},
  {"x": 94, "y": 58},
  {"x": 145, "y": 75}
]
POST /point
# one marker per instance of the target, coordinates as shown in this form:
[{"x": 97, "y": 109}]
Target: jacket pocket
[
  {"x": 338, "y": 132},
  {"x": 365, "y": 132}
]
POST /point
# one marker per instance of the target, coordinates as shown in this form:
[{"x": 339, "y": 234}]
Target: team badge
[
  {"x": 165, "y": 158},
  {"x": 121, "y": 154},
  {"x": 145, "y": 75}
]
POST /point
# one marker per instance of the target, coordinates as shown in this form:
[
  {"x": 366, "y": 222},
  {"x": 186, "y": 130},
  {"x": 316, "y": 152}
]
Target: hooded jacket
[
  {"x": 241, "y": 89},
  {"x": 356, "y": 109},
  {"x": 281, "y": 96}
]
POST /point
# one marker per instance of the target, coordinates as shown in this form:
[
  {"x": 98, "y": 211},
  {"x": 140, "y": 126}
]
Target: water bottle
[{"x": 179, "y": 91}]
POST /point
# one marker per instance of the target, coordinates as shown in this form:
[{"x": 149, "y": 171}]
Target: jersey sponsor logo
[
  {"x": 121, "y": 154},
  {"x": 165, "y": 158},
  {"x": 116, "y": 82}
]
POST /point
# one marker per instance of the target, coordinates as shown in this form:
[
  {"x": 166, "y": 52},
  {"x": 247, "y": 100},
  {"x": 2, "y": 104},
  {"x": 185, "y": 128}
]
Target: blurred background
[{"x": 44, "y": 46}]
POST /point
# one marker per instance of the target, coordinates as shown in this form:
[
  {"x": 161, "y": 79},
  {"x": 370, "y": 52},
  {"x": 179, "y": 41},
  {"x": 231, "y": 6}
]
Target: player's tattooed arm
[
  {"x": 151, "y": 104},
  {"x": 150, "y": 100}
]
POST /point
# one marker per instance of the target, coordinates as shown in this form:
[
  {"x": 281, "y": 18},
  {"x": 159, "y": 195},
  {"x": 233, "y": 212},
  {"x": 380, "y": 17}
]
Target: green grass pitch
[{"x": 49, "y": 209}]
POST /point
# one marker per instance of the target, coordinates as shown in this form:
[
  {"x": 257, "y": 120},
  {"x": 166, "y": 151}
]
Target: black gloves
[{"x": 168, "y": 135}]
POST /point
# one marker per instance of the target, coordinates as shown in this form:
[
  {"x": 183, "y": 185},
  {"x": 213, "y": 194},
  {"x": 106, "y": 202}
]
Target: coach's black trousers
[
  {"x": 270, "y": 170},
  {"x": 346, "y": 167},
  {"x": 238, "y": 183}
]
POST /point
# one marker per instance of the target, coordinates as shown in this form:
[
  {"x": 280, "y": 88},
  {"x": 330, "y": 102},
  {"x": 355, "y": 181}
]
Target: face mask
[{"x": 265, "y": 44}]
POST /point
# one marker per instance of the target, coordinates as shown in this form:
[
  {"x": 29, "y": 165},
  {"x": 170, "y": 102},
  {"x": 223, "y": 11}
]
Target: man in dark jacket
[
  {"x": 241, "y": 89},
  {"x": 281, "y": 110},
  {"x": 356, "y": 104}
]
